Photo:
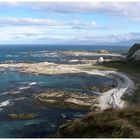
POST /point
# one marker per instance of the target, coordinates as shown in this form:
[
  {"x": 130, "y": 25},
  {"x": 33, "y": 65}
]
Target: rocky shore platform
[{"x": 63, "y": 98}]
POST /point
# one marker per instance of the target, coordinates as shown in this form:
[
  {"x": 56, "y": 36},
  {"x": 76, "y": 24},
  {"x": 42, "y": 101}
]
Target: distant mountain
[{"x": 134, "y": 52}]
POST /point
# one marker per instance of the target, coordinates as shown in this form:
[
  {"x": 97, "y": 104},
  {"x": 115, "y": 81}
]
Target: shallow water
[{"x": 18, "y": 91}]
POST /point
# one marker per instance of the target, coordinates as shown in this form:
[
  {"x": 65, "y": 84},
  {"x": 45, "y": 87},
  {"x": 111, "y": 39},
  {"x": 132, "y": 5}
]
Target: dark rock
[{"x": 134, "y": 52}]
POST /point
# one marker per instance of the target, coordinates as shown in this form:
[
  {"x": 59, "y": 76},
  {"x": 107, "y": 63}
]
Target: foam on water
[
  {"x": 28, "y": 86},
  {"x": 44, "y": 54},
  {"x": 4, "y": 93},
  {"x": 33, "y": 83},
  {"x": 4, "y": 103},
  {"x": 20, "y": 98}
]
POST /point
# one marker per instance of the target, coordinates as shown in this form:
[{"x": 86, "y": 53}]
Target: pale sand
[{"x": 112, "y": 98}]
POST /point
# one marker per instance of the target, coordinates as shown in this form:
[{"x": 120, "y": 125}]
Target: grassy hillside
[{"x": 108, "y": 124}]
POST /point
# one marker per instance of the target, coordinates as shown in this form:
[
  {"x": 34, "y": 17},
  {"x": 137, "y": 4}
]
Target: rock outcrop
[
  {"x": 134, "y": 52},
  {"x": 57, "y": 97},
  {"x": 103, "y": 52}
]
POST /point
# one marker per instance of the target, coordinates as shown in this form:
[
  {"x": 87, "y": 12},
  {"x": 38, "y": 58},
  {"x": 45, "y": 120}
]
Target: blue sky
[{"x": 70, "y": 23}]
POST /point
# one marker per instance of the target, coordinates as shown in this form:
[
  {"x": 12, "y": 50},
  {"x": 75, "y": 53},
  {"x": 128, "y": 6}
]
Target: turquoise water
[{"x": 18, "y": 91}]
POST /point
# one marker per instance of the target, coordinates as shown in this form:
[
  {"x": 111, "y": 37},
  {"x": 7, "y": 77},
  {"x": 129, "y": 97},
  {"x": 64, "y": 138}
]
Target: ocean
[{"x": 18, "y": 90}]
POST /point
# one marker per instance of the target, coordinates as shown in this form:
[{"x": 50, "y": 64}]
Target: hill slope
[{"x": 108, "y": 124}]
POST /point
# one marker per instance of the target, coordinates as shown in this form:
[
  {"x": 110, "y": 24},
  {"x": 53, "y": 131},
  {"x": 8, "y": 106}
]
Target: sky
[{"x": 69, "y": 23}]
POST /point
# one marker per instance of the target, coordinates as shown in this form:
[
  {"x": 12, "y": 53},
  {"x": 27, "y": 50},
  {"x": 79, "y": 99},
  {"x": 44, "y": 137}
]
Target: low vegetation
[
  {"x": 97, "y": 67},
  {"x": 108, "y": 124},
  {"x": 124, "y": 66},
  {"x": 111, "y": 123}
]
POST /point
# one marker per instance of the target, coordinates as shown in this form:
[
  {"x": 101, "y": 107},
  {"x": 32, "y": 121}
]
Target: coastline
[
  {"x": 112, "y": 98},
  {"x": 108, "y": 99}
]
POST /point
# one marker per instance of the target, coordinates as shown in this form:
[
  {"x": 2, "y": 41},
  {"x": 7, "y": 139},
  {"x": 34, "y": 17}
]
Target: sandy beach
[{"x": 112, "y": 98}]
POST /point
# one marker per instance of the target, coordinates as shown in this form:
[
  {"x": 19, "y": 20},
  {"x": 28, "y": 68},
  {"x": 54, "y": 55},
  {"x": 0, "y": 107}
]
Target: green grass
[
  {"x": 108, "y": 124},
  {"x": 123, "y": 66},
  {"x": 129, "y": 66}
]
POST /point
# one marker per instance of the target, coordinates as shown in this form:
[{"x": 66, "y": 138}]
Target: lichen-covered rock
[
  {"x": 134, "y": 52},
  {"x": 21, "y": 116}
]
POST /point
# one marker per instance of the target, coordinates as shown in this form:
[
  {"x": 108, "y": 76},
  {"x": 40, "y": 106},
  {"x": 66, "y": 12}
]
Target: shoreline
[
  {"x": 109, "y": 99},
  {"x": 112, "y": 98}
]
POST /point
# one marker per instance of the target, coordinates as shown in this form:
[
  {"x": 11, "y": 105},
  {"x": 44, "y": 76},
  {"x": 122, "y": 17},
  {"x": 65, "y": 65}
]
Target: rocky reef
[
  {"x": 65, "y": 98},
  {"x": 134, "y": 52},
  {"x": 43, "y": 68},
  {"x": 103, "y": 52},
  {"x": 86, "y": 53}
]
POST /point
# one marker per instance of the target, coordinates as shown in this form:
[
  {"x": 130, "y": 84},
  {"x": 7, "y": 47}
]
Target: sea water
[{"x": 18, "y": 90}]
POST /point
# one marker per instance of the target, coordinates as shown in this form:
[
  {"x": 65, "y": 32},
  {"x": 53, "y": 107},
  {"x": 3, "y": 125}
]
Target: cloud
[
  {"x": 130, "y": 10},
  {"x": 27, "y": 21},
  {"x": 19, "y": 32},
  {"x": 24, "y": 34},
  {"x": 81, "y": 25},
  {"x": 88, "y": 30},
  {"x": 68, "y": 35},
  {"x": 30, "y": 34},
  {"x": 108, "y": 38}
]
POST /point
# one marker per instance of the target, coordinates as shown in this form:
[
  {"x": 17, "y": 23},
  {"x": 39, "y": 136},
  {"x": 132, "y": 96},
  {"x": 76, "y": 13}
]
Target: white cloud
[
  {"x": 27, "y": 21},
  {"x": 29, "y": 28},
  {"x": 82, "y": 25},
  {"x": 24, "y": 34},
  {"x": 38, "y": 22},
  {"x": 108, "y": 38},
  {"x": 34, "y": 33},
  {"x": 130, "y": 10}
]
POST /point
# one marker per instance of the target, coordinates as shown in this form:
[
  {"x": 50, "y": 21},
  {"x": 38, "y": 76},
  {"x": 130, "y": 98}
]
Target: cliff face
[{"x": 134, "y": 52}]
